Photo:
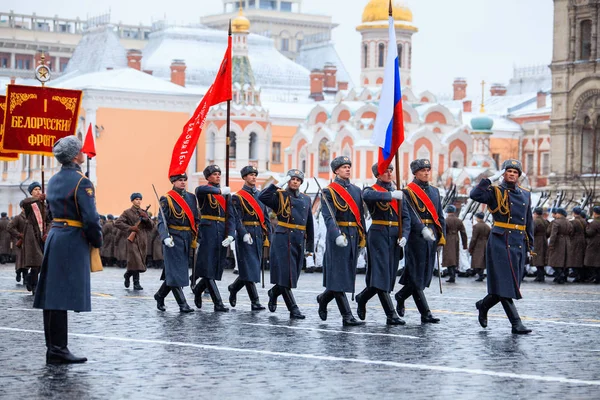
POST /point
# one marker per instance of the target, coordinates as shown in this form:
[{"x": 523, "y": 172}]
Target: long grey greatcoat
[
  {"x": 249, "y": 256},
  {"x": 383, "y": 251},
  {"x": 64, "y": 282},
  {"x": 177, "y": 257},
  {"x": 454, "y": 229},
  {"x": 507, "y": 248},
  {"x": 540, "y": 241},
  {"x": 288, "y": 245},
  {"x": 121, "y": 244},
  {"x": 592, "y": 252},
  {"x": 136, "y": 250},
  {"x": 16, "y": 227},
  {"x": 4, "y": 236},
  {"x": 420, "y": 255},
  {"x": 558, "y": 244},
  {"x": 157, "y": 246},
  {"x": 33, "y": 244},
  {"x": 576, "y": 252},
  {"x": 339, "y": 263},
  {"x": 212, "y": 256},
  {"x": 108, "y": 233},
  {"x": 479, "y": 238}
]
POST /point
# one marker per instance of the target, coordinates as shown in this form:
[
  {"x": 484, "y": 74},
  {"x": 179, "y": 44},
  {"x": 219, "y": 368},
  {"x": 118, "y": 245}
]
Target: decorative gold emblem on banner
[
  {"x": 16, "y": 99},
  {"x": 68, "y": 102}
]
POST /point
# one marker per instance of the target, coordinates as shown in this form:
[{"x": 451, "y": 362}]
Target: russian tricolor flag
[{"x": 388, "y": 133}]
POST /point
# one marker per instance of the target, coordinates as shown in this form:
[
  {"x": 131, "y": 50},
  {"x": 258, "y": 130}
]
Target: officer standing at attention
[
  {"x": 510, "y": 241},
  {"x": 64, "y": 282},
  {"x": 384, "y": 245}
]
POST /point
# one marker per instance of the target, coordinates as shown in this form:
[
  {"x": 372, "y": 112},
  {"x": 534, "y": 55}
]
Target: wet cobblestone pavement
[{"x": 138, "y": 352}]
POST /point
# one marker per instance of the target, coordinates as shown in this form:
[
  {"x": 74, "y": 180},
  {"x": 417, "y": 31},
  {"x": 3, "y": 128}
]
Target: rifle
[{"x": 133, "y": 234}]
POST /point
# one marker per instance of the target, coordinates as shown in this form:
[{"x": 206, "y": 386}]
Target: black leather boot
[
  {"x": 58, "y": 352},
  {"x": 160, "y": 295},
  {"x": 290, "y": 302},
  {"x": 180, "y": 298},
  {"x": 388, "y": 307},
  {"x": 513, "y": 316},
  {"x": 345, "y": 310},
  {"x": 233, "y": 289},
  {"x": 127, "y": 276},
  {"x": 323, "y": 299},
  {"x": 198, "y": 291},
  {"x": 540, "y": 275},
  {"x": 253, "y": 295},
  {"x": 451, "y": 274},
  {"x": 18, "y": 278},
  {"x": 480, "y": 275},
  {"x": 423, "y": 307},
  {"x": 273, "y": 293},
  {"x": 401, "y": 297},
  {"x": 216, "y": 296},
  {"x": 484, "y": 306},
  {"x": 361, "y": 300},
  {"x": 136, "y": 281}
]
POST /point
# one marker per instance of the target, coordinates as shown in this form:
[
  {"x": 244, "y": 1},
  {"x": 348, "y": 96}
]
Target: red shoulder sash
[
  {"x": 421, "y": 195},
  {"x": 343, "y": 193},
  {"x": 255, "y": 206},
  {"x": 393, "y": 203},
  {"x": 221, "y": 199},
  {"x": 185, "y": 207}
]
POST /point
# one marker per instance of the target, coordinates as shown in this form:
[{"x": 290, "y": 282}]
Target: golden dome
[
  {"x": 378, "y": 10},
  {"x": 240, "y": 24}
]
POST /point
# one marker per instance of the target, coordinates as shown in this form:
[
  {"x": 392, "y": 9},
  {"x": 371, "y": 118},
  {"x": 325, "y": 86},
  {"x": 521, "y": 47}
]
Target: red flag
[
  {"x": 219, "y": 92},
  {"x": 89, "y": 148}
]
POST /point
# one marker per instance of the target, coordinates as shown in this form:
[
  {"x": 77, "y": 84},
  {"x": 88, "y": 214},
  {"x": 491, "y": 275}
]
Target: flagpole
[
  {"x": 87, "y": 173},
  {"x": 228, "y": 138}
]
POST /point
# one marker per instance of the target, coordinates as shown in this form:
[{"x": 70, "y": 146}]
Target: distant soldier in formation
[
  {"x": 592, "y": 252},
  {"x": 34, "y": 234},
  {"x": 150, "y": 243},
  {"x": 451, "y": 255},
  {"x": 293, "y": 238},
  {"x": 509, "y": 243},
  {"x": 384, "y": 243},
  {"x": 109, "y": 233},
  {"x": 4, "y": 239},
  {"x": 217, "y": 228},
  {"x": 427, "y": 232},
  {"x": 558, "y": 244},
  {"x": 576, "y": 251},
  {"x": 121, "y": 247},
  {"x": 157, "y": 247},
  {"x": 252, "y": 237},
  {"x": 16, "y": 227},
  {"x": 539, "y": 258},
  {"x": 179, "y": 237},
  {"x": 479, "y": 238},
  {"x": 136, "y": 224}
]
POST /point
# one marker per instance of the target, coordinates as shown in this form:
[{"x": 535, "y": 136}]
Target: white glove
[
  {"x": 225, "y": 190},
  {"x": 283, "y": 181},
  {"x": 402, "y": 242},
  {"x": 227, "y": 242},
  {"x": 248, "y": 238},
  {"x": 427, "y": 233},
  {"x": 397, "y": 194},
  {"x": 496, "y": 176},
  {"x": 341, "y": 241},
  {"x": 169, "y": 242}
]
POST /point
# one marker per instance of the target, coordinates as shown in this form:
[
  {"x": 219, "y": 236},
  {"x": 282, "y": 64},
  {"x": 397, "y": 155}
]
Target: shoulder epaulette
[{"x": 525, "y": 189}]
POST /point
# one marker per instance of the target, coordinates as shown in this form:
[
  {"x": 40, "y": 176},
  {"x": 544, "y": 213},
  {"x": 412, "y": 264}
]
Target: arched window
[
  {"x": 232, "y": 145},
  {"x": 586, "y": 39},
  {"x": 323, "y": 155},
  {"x": 365, "y": 55},
  {"x": 381, "y": 54},
  {"x": 400, "y": 55},
  {"x": 252, "y": 154}
]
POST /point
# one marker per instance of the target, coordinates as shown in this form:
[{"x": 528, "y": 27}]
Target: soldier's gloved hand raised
[
  {"x": 427, "y": 233},
  {"x": 402, "y": 242},
  {"x": 341, "y": 241},
  {"x": 169, "y": 242},
  {"x": 397, "y": 194},
  {"x": 225, "y": 190},
  {"x": 497, "y": 176},
  {"x": 227, "y": 242},
  {"x": 248, "y": 238},
  {"x": 283, "y": 181}
]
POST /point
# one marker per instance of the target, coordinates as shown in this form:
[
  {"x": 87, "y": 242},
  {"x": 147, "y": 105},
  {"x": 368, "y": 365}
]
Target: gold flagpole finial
[
  {"x": 482, "y": 107},
  {"x": 391, "y": 9}
]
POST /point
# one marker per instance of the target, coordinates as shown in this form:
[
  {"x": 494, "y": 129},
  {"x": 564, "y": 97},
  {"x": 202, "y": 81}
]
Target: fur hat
[
  {"x": 249, "y": 169},
  {"x": 32, "y": 186},
  {"x": 596, "y": 210},
  {"x": 419, "y": 164},
  {"x": 135, "y": 195},
  {"x": 211, "y": 169},
  {"x": 577, "y": 210},
  {"x": 375, "y": 169},
  {"x": 479, "y": 215},
  {"x": 561, "y": 211},
  {"x": 513, "y": 164},
  {"x": 66, "y": 149},
  {"x": 175, "y": 178},
  {"x": 450, "y": 208},
  {"x": 339, "y": 161},
  {"x": 296, "y": 173},
  {"x": 538, "y": 210}
]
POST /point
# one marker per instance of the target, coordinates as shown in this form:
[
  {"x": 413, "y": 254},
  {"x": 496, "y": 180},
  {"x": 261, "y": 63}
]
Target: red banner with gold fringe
[{"x": 5, "y": 156}]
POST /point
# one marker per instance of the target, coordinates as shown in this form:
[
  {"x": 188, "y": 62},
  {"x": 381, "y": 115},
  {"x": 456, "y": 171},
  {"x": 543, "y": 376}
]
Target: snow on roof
[
  {"x": 314, "y": 56},
  {"x": 288, "y": 110},
  {"x": 99, "y": 49}
]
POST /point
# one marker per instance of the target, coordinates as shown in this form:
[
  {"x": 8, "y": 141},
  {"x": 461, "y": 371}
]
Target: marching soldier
[
  {"x": 16, "y": 227},
  {"x": 384, "y": 244},
  {"x": 479, "y": 238},
  {"x": 426, "y": 233},
  {"x": 576, "y": 252},
  {"x": 592, "y": 252},
  {"x": 345, "y": 236},
  {"x": 158, "y": 258},
  {"x": 65, "y": 276},
  {"x": 558, "y": 244},
  {"x": 34, "y": 234},
  {"x": 4, "y": 239},
  {"x": 217, "y": 227},
  {"x": 293, "y": 237},
  {"x": 540, "y": 244},
  {"x": 179, "y": 235},
  {"x": 108, "y": 234},
  {"x": 509, "y": 243},
  {"x": 136, "y": 224},
  {"x": 451, "y": 255},
  {"x": 252, "y": 237}
]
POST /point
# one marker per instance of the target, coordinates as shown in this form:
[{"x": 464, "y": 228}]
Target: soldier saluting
[{"x": 510, "y": 241}]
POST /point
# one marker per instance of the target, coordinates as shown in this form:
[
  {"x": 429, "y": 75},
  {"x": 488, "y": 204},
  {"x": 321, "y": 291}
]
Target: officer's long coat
[
  {"x": 540, "y": 242},
  {"x": 212, "y": 256},
  {"x": 592, "y": 252},
  {"x": 576, "y": 252},
  {"x": 108, "y": 233},
  {"x": 507, "y": 248},
  {"x": 420, "y": 254},
  {"x": 4, "y": 236},
  {"x": 177, "y": 257},
  {"x": 558, "y": 244},
  {"x": 249, "y": 256},
  {"x": 479, "y": 238},
  {"x": 287, "y": 244},
  {"x": 64, "y": 282},
  {"x": 383, "y": 251},
  {"x": 136, "y": 250},
  {"x": 339, "y": 263},
  {"x": 121, "y": 244},
  {"x": 16, "y": 227},
  {"x": 33, "y": 233},
  {"x": 454, "y": 229}
]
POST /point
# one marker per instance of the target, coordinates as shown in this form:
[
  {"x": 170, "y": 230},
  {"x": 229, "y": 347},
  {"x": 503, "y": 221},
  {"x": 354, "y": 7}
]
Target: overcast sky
[{"x": 476, "y": 39}]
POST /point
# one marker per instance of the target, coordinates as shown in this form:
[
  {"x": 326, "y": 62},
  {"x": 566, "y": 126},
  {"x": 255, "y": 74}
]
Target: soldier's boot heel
[
  {"x": 452, "y": 275},
  {"x": 57, "y": 338},
  {"x": 290, "y": 302},
  {"x": 273, "y": 293},
  {"x": 323, "y": 300},
  {"x": 127, "y": 276},
  {"x": 540, "y": 275},
  {"x": 345, "y": 310},
  {"x": 216, "y": 296},
  {"x": 180, "y": 298},
  {"x": 513, "y": 316},
  {"x": 484, "y": 305},
  {"x": 160, "y": 295},
  {"x": 423, "y": 307},
  {"x": 136, "y": 281},
  {"x": 361, "y": 301},
  {"x": 253, "y": 295},
  {"x": 401, "y": 297},
  {"x": 233, "y": 289},
  {"x": 198, "y": 291},
  {"x": 388, "y": 307}
]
